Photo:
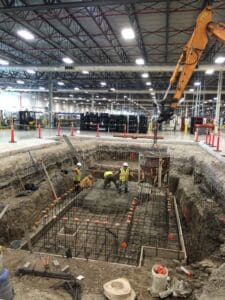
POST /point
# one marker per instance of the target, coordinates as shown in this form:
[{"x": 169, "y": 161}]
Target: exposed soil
[{"x": 198, "y": 181}]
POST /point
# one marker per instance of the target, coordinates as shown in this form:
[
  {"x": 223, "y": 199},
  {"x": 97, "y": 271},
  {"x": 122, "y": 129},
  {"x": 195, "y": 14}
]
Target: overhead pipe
[{"x": 105, "y": 68}]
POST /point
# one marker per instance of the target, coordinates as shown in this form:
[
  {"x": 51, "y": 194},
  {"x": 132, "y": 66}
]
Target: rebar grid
[{"x": 113, "y": 233}]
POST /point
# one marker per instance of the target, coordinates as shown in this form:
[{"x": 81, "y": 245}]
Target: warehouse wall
[{"x": 13, "y": 102}]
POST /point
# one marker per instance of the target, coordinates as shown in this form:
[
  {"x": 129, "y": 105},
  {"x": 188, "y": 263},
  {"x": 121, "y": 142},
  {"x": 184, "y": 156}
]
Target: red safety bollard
[
  {"x": 196, "y": 135},
  {"x": 218, "y": 141},
  {"x": 58, "y": 129},
  {"x": 12, "y": 135},
  {"x": 39, "y": 131},
  {"x": 125, "y": 130},
  {"x": 72, "y": 130},
  {"x": 97, "y": 131}
]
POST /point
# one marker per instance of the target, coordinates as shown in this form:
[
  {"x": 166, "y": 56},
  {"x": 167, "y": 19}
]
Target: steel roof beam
[
  {"x": 37, "y": 32},
  {"x": 136, "y": 26},
  {"x": 167, "y": 28},
  {"x": 103, "y": 24},
  {"x": 77, "y": 4},
  {"x": 61, "y": 34},
  {"x": 107, "y": 68},
  {"x": 89, "y": 36},
  {"x": 104, "y": 91}
]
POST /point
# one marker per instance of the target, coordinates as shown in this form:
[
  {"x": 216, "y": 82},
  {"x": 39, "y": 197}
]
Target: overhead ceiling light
[
  {"x": 60, "y": 83},
  {"x": 85, "y": 72},
  {"x": 103, "y": 83},
  {"x": 191, "y": 90},
  {"x": 139, "y": 61},
  {"x": 144, "y": 75},
  {"x": 209, "y": 71},
  {"x": 4, "y": 62},
  {"x": 148, "y": 83},
  {"x": 67, "y": 60},
  {"x": 112, "y": 89},
  {"x": 104, "y": 98},
  {"x": 76, "y": 89},
  {"x": 220, "y": 60},
  {"x": 97, "y": 96},
  {"x": 41, "y": 88},
  {"x": 79, "y": 98},
  {"x": 20, "y": 81},
  {"x": 128, "y": 33},
  {"x": 31, "y": 71},
  {"x": 71, "y": 95},
  {"x": 197, "y": 83},
  {"x": 151, "y": 89},
  {"x": 25, "y": 34}
]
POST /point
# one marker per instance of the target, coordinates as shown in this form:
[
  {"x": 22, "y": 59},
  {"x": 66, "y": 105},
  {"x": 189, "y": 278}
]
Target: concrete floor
[{"x": 29, "y": 139}]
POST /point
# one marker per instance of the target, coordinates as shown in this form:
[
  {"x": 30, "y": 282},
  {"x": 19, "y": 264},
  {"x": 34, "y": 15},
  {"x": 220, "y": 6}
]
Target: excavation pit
[{"x": 122, "y": 228}]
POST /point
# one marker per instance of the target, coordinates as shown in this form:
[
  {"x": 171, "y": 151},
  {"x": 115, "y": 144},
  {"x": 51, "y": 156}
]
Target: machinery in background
[
  {"x": 66, "y": 119},
  {"x": 28, "y": 119},
  {"x": 190, "y": 57}
]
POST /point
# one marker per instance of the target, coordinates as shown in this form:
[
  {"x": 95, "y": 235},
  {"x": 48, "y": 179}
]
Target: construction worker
[
  {"x": 77, "y": 175},
  {"x": 109, "y": 177},
  {"x": 123, "y": 177}
]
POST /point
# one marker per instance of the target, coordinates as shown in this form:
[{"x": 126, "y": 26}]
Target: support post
[
  {"x": 218, "y": 101},
  {"x": 50, "y": 93}
]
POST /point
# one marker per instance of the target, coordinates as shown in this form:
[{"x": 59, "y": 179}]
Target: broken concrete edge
[
  {"x": 25, "y": 149},
  {"x": 212, "y": 151}
]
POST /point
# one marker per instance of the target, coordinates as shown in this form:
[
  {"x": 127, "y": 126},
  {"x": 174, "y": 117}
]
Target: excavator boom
[{"x": 191, "y": 55}]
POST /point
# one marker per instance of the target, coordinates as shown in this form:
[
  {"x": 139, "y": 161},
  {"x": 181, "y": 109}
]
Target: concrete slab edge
[
  {"x": 212, "y": 152},
  {"x": 25, "y": 149}
]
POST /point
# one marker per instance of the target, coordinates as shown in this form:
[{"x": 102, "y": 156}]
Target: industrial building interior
[{"x": 112, "y": 149}]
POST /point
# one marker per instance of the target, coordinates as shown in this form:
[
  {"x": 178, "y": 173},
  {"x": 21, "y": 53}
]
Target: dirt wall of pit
[{"x": 199, "y": 193}]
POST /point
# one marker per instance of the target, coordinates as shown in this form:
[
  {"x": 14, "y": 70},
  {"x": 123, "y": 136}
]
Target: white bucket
[{"x": 159, "y": 281}]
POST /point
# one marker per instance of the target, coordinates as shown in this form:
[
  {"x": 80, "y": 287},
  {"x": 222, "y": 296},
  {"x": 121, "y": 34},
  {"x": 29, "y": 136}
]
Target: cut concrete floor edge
[{"x": 213, "y": 152}]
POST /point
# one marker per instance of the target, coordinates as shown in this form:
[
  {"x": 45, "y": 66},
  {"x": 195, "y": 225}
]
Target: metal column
[
  {"x": 218, "y": 101},
  {"x": 92, "y": 102},
  {"x": 50, "y": 88}
]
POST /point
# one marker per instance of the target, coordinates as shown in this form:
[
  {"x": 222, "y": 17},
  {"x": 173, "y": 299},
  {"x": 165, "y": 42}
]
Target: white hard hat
[
  {"x": 125, "y": 164},
  {"x": 79, "y": 164}
]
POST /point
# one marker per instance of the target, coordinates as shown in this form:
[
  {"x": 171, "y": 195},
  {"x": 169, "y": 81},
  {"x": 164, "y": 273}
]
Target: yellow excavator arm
[{"x": 191, "y": 55}]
